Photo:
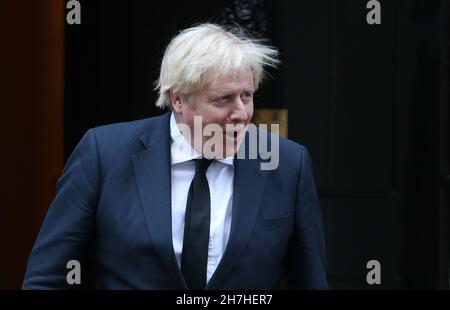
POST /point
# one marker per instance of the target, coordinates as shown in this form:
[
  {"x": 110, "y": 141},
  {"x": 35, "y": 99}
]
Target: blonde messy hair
[{"x": 209, "y": 46}]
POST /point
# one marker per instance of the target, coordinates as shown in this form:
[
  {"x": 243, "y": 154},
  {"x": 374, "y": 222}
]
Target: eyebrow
[{"x": 228, "y": 93}]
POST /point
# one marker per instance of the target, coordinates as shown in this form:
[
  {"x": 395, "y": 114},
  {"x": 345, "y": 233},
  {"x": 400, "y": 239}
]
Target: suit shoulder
[
  {"x": 292, "y": 145},
  {"x": 127, "y": 128},
  {"x": 293, "y": 153},
  {"x": 123, "y": 138},
  {"x": 290, "y": 153}
]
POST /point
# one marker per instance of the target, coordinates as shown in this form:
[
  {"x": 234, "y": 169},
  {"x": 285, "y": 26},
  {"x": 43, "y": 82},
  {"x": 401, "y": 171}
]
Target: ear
[{"x": 175, "y": 101}]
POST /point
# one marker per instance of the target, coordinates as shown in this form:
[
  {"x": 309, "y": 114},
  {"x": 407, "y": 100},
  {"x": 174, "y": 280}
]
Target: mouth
[
  {"x": 233, "y": 135},
  {"x": 236, "y": 132}
]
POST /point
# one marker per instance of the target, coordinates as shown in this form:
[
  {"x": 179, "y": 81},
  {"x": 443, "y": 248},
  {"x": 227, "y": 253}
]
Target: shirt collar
[{"x": 181, "y": 151}]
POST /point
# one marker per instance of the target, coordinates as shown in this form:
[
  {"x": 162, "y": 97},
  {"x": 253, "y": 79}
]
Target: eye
[
  {"x": 223, "y": 100},
  {"x": 246, "y": 96}
]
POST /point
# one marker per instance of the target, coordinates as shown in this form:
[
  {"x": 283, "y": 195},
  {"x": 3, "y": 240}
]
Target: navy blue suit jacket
[{"x": 112, "y": 213}]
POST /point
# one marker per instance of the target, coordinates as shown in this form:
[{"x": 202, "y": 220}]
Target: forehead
[{"x": 238, "y": 80}]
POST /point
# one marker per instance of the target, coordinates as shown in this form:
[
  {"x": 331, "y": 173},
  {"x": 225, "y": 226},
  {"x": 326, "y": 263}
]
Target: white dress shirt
[{"x": 220, "y": 180}]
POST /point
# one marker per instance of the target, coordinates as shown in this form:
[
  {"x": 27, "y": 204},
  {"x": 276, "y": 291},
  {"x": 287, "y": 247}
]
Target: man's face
[{"x": 226, "y": 101}]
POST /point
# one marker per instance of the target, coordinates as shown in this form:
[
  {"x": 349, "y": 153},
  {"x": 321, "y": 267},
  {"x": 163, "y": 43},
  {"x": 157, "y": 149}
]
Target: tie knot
[{"x": 201, "y": 165}]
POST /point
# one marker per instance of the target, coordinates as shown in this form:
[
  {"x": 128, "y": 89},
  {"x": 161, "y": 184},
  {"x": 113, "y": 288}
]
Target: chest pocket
[{"x": 272, "y": 224}]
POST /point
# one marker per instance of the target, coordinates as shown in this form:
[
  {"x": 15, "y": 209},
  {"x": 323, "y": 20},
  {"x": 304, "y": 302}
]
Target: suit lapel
[
  {"x": 153, "y": 170},
  {"x": 248, "y": 187}
]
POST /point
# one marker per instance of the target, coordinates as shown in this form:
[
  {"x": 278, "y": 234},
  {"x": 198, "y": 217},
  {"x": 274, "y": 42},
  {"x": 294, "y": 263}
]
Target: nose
[{"x": 238, "y": 113}]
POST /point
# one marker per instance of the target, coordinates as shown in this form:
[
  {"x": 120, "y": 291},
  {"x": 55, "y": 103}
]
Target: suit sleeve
[
  {"x": 306, "y": 262},
  {"x": 67, "y": 231}
]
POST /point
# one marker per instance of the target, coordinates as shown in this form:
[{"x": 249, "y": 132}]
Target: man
[{"x": 152, "y": 204}]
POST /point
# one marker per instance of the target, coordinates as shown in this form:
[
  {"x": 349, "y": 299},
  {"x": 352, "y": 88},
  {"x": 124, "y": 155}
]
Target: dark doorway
[{"x": 369, "y": 101}]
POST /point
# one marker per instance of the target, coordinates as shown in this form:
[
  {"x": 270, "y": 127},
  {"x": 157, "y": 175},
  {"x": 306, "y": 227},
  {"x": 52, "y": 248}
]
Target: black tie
[{"x": 194, "y": 257}]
